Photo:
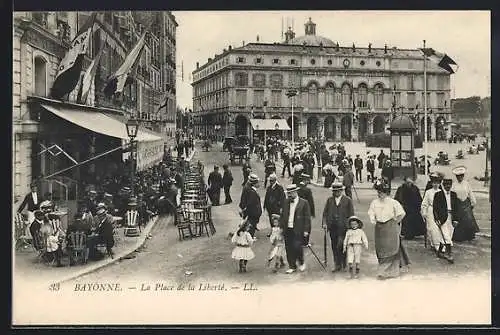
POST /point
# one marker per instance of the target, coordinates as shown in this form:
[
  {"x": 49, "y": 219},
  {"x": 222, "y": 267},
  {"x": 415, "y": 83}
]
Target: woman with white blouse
[
  {"x": 467, "y": 226},
  {"x": 434, "y": 235},
  {"x": 386, "y": 214}
]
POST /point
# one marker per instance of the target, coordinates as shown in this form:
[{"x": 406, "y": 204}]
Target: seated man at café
[
  {"x": 78, "y": 225},
  {"x": 84, "y": 214},
  {"x": 104, "y": 230},
  {"x": 35, "y": 227}
]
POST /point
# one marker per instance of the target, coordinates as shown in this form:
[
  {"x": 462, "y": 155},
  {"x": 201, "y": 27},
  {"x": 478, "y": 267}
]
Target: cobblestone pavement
[{"x": 164, "y": 263}]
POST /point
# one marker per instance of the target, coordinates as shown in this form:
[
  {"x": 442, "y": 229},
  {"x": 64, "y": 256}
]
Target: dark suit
[
  {"x": 370, "y": 167},
  {"x": 105, "y": 231},
  {"x": 294, "y": 237},
  {"x": 251, "y": 207},
  {"x": 215, "y": 184},
  {"x": 274, "y": 200},
  {"x": 335, "y": 218},
  {"x": 28, "y": 201},
  {"x": 358, "y": 166},
  {"x": 440, "y": 207},
  {"x": 305, "y": 193},
  {"x": 227, "y": 181}
]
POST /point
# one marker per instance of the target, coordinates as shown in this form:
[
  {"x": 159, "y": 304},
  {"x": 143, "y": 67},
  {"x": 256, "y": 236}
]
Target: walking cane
[
  {"x": 316, "y": 256},
  {"x": 356, "y": 193},
  {"x": 324, "y": 247}
]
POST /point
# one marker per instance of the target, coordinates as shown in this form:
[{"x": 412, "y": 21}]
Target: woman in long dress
[
  {"x": 467, "y": 226},
  {"x": 386, "y": 214},
  {"x": 434, "y": 235}
]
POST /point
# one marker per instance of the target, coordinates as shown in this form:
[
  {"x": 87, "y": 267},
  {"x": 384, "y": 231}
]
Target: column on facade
[
  {"x": 354, "y": 130},
  {"x": 432, "y": 134},
  {"x": 338, "y": 128},
  {"x": 321, "y": 126},
  {"x": 302, "y": 126},
  {"x": 369, "y": 129}
]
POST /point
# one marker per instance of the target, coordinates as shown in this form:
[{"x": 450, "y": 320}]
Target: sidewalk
[{"x": 28, "y": 269}]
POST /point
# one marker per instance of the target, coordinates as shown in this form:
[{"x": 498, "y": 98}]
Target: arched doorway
[
  {"x": 440, "y": 129},
  {"x": 295, "y": 127},
  {"x": 429, "y": 127},
  {"x": 330, "y": 128},
  {"x": 40, "y": 77},
  {"x": 241, "y": 125},
  {"x": 378, "y": 124},
  {"x": 312, "y": 127},
  {"x": 362, "y": 127},
  {"x": 345, "y": 128}
]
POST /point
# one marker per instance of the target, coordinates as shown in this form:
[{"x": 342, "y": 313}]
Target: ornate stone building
[
  {"x": 254, "y": 79},
  {"x": 40, "y": 41}
]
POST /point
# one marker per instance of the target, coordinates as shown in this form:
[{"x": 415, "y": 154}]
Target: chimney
[
  {"x": 369, "y": 48},
  {"x": 230, "y": 48},
  {"x": 197, "y": 65},
  {"x": 385, "y": 48},
  {"x": 337, "y": 47},
  {"x": 353, "y": 48},
  {"x": 257, "y": 38},
  {"x": 243, "y": 42}
]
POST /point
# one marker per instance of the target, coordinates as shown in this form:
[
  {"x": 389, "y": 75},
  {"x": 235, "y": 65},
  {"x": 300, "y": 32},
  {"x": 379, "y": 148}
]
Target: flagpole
[{"x": 425, "y": 113}]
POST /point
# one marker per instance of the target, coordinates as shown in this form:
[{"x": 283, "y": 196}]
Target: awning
[
  {"x": 269, "y": 124},
  {"x": 99, "y": 123}
]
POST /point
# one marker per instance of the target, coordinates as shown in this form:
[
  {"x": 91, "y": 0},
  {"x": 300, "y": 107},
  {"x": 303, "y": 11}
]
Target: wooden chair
[
  {"x": 23, "y": 240},
  {"x": 183, "y": 226},
  {"x": 132, "y": 228},
  {"x": 78, "y": 250}
]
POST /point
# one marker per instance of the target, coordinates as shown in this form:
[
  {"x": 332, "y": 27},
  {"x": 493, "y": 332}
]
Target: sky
[{"x": 462, "y": 35}]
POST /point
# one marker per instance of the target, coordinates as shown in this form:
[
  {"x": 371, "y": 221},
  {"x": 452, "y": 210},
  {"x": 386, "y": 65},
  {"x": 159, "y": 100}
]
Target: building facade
[
  {"x": 329, "y": 79},
  {"x": 40, "y": 41}
]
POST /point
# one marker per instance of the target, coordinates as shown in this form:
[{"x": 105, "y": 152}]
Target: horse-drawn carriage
[
  {"x": 239, "y": 149},
  {"x": 442, "y": 158},
  {"x": 473, "y": 150},
  {"x": 460, "y": 154}
]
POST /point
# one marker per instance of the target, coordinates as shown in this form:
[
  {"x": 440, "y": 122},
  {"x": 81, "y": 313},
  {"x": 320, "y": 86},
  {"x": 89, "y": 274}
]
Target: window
[
  {"x": 259, "y": 79},
  {"x": 346, "y": 96},
  {"x": 410, "y": 100},
  {"x": 378, "y": 63},
  {"x": 329, "y": 95},
  {"x": 241, "y": 79},
  {"x": 293, "y": 80},
  {"x": 313, "y": 96},
  {"x": 313, "y": 61},
  {"x": 441, "y": 82},
  {"x": 241, "y": 98},
  {"x": 40, "y": 77},
  {"x": 329, "y": 62},
  {"x": 410, "y": 65},
  {"x": 409, "y": 82},
  {"x": 276, "y": 61},
  {"x": 276, "y": 98},
  {"x": 240, "y": 60},
  {"x": 379, "y": 96},
  {"x": 362, "y": 63},
  {"x": 293, "y": 62},
  {"x": 362, "y": 96},
  {"x": 440, "y": 100},
  {"x": 258, "y": 60},
  {"x": 398, "y": 99},
  {"x": 258, "y": 98},
  {"x": 276, "y": 80}
]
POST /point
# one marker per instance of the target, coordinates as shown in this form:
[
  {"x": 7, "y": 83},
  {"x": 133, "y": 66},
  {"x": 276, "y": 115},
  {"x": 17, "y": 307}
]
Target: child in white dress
[
  {"x": 243, "y": 251},
  {"x": 354, "y": 239},
  {"x": 277, "y": 252}
]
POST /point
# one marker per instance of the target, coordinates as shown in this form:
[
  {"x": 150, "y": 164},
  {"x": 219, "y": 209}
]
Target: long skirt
[
  {"x": 391, "y": 253},
  {"x": 467, "y": 226}
]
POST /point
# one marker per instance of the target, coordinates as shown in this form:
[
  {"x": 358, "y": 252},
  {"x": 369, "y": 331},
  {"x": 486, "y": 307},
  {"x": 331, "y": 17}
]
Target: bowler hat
[
  {"x": 337, "y": 186},
  {"x": 275, "y": 216},
  {"x": 253, "y": 178},
  {"x": 292, "y": 188}
]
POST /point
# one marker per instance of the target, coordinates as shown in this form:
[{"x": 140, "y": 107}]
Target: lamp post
[
  {"x": 442, "y": 128},
  {"x": 291, "y": 94},
  {"x": 132, "y": 126}
]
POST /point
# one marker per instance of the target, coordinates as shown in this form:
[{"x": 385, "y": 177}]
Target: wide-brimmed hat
[
  {"x": 435, "y": 176},
  {"x": 46, "y": 203},
  {"x": 381, "y": 185},
  {"x": 459, "y": 170},
  {"x": 253, "y": 178},
  {"x": 107, "y": 195},
  {"x": 291, "y": 188},
  {"x": 337, "y": 187},
  {"x": 355, "y": 218},
  {"x": 275, "y": 216}
]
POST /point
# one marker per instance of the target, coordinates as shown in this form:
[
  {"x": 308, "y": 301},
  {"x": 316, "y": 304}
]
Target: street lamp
[
  {"x": 132, "y": 126},
  {"x": 290, "y": 94}
]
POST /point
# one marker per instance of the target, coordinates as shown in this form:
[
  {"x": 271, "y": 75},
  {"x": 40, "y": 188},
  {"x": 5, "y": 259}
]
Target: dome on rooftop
[
  {"x": 310, "y": 38},
  {"x": 402, "y": 122}
]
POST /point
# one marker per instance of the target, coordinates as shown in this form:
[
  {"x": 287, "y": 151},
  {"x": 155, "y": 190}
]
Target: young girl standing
[
  {"x": 243, "y": 251},
  {"x": 277, "y": 252},
  {"x": 355, "y": 238}
]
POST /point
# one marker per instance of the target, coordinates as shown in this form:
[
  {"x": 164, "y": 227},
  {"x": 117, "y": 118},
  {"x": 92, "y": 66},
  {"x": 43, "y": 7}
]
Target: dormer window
[
  {"x": 276, "y": 61},
  {"x": 293, "y": 62},
  {"x": 240, "y": 60},
  {"x": 313, "y": 61},
  {"x": 329, "y": 62},
  {"x": 258, "y": 60}
]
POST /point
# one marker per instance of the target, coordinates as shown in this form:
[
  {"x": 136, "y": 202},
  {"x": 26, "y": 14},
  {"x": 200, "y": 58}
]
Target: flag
[
  {"x": 441, "y": 59},
  {"x": 70, "y": 67},
  {"x": 88, "y": 77},
  {"x": 117, "y": 81}
]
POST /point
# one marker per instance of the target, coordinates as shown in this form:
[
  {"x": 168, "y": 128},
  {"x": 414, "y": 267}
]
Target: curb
[
  {"x": 484, "y": 235},
  {"x": 123, "y": 255}
]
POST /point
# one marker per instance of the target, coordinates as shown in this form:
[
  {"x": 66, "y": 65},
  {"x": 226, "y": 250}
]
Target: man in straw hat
[
  {"x": 250, "y": 206},
  {"x": 296, "y": 224},
  {"x": 445, "y": 205},
  {"x": 338, "y": 209}
]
